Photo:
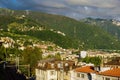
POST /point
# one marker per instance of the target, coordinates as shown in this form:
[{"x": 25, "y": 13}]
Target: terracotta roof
[
  {"x": 114, "y": 72},
  {"x": 86, "y": 69}
]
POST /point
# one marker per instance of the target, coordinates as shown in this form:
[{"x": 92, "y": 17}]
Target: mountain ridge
[
  {"x": 109, "y": 25},
  {"x": 88, "y": 36}
]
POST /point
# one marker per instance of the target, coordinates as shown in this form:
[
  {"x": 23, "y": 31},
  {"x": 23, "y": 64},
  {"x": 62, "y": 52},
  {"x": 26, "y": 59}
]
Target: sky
[{"x": 76, "y": 9}]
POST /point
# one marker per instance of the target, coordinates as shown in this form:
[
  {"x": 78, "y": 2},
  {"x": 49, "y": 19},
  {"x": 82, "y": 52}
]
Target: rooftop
[
  {"x": 114, "y": 72},
  {"x": 86, "y": 69},
  {"x": 115, "y": 61},
  {"x": 56, "y": 64}
]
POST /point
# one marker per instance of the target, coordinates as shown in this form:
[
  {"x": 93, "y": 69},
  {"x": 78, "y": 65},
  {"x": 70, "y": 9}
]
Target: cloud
[
  {"x": 73, "y": 8},
  {"x": 95, "y": 3}
]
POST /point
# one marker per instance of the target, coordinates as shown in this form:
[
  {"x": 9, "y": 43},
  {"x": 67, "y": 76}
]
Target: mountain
[
  {"x": 76, "y": 34},
  {"x": 28, "y": 30},
  {"x": 112, "y": 26}
]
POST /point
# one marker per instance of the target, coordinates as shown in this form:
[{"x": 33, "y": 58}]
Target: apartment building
[
  {"x": 84, "y": 73},
  {"x": 53, "y": 69}
]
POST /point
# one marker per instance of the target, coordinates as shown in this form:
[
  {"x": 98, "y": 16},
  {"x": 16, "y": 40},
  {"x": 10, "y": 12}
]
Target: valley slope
[{"x": 77, "y": 34}]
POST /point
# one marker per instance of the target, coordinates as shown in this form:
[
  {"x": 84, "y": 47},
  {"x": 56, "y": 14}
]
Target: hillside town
[
  {"x": 70, "y": 65},
  {"x": 70, "y": 69},
  {"x": 59, "y": 39}
]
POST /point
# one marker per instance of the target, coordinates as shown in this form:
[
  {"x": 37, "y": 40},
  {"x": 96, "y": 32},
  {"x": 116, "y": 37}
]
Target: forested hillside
[
  {"x": 17, "y": 27},
  {"x": 77, "y": 34},
  {"x": 110, "y": 25}
]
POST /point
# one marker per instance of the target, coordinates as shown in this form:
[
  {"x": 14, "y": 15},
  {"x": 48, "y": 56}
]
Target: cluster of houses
[
  {"x": 52, "y": 69},
  {"x": 7, "y": 42},
  {"x": 68, "y": 68}
]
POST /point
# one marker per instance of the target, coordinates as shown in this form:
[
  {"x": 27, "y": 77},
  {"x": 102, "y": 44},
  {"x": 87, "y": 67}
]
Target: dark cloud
[{"x": 73, "y": 8}]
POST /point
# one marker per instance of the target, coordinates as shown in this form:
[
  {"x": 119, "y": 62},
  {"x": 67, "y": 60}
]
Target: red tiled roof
[
  {"x": 86, "y": 69},
  {"x": 114, "y": 72}
]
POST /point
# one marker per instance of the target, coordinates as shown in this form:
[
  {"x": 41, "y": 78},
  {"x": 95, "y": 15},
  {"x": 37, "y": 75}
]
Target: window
[
  {"x": 78, "y": 74},
  {"x": 52, "y": 72},
  {"x": 42, "y": 72},
  {"x": 107, "y": 78},
  {"x": 52, "y": 65},
  {"x": 66, "y": 64},
  {"x": 82, "y": 75},
  {"x": 59, "y": 65},
  {"x": 103, "y": 78}
]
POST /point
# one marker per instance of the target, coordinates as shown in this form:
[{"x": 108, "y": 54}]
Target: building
[
  {"x": 113, "y": 74},
  {"x": 83, "y": 54},
  {"x": 84, "y": 73},
  {"x": 7, "y": 42},
  {"x": 53, "y": 69},
  {"x": 105, "y": 56},
  {"x": 114, "y": 63},
  {"x": 72, "y": 57}
]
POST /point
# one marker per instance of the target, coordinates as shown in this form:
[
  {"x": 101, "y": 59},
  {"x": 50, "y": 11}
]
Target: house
[
  {"x": 105, "y": 56},
  {"x": 114, "y": 63},
  {"x": 72, "y": 57},
  {"x": 113, "y": 74},
  {"x": 52, "y": 69},
  {"x": 7, "y": 42},
  {"x": 84, "y": 73}
]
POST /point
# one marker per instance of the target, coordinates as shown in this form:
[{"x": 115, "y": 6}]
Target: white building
[
  {"x": 46, "y": 74},
  {"x": 113, "y": 74},
  {"x": 83, "y": 54},
  {"x": 7, "y": 42},
  {"x": 83, "y": 73},
  {"x": 52, "y": 69}
]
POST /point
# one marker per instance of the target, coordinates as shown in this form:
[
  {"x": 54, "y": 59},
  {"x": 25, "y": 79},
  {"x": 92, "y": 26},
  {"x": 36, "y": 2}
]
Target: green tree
[
  {"x": 86, "y": 59},
  {"x": 32, "y": 56},
  {"x": 2, "y": 52},
  {"x": 95, "y": 60},
  {"x": 50, "y": 48},
  {"x": 57, "y": 56}
]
